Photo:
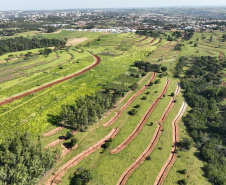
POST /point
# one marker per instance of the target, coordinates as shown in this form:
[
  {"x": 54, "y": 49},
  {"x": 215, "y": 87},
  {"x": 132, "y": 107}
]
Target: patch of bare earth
[{"x": 75, "y": 41}]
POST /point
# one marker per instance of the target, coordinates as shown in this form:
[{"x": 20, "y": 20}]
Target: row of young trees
[
  {"x": 22, "y": 161},
  {"x": 147, "y": 66},
  {"x": 20, "y": 44},
  {"x": 207, "y": 126}
]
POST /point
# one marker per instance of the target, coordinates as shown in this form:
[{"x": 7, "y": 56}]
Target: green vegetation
[
  {"x": 85, "y": 103},
  {"x": 20, "y": 44},
  {"x": 24, "y": 162}
]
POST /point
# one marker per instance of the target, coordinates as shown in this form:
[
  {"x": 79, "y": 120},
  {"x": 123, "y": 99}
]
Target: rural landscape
[{"x": 137, "y": 106}]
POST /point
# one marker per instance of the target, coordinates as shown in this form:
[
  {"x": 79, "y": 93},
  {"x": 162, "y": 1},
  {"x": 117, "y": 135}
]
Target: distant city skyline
[{"x": 77, "y": 4}]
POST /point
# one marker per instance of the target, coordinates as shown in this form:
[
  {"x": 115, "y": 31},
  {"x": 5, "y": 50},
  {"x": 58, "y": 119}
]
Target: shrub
[
  {"x": 73, "y": 141},
  {"x": 151, "y": 83},
  {"x": 148, "y": 158},
  {"x": 132, "y": 112},
  {"x": 81, "y": 177},
  {"x": 186, "y": 143},
  {"x": 182, "y": 182},
  {"x": 137, "y": 106},
  {"x": 134, "y": 86},
  {"x": 144, "y": 98},
  {"x": 164, "y": 68},
  {"x": 157, "y": 81},
  {"x": 69, "y": 134}
]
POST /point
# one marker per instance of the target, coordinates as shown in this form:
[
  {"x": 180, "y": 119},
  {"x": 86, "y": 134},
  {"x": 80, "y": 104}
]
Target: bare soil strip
[
  {"x": 65, "y": 150},
  {"x": 118, "y": 114},
  {"x": 10, "y": 99},
  {"x": 141, "y": 124},
  {"x": 160, "y": 40},
  {"x": 56, "y": 142},
  {"x": 172, "y": 157},
  {"x": 52, "y": 131},
  {"x": 138, "y": 40},
  {"x": 56, "y": 177},
  {"x": 123, "y": 179},
  {"x": 151, "y": 41}
]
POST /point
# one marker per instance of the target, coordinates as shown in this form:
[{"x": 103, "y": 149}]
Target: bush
[
  {"x": 164, "y": 68},
  {"x": 182, "y": 182},
  {"x": 81, "y": 177},
  {"x": 144, "y": 98},
  {"x": 132, "y": 112},
  {"x": 151, "y": 83},
  {"x": 148, "y": 158},
  {"x": 137, "y": 106},
  {"x": 73, "y": 141},
  {"x": 134, "y": 86},
  {"x": 69, "y": 134},
  {"x": 157, "y": 81},
  {"x": 172, "y": 94},
  {"x": 186, "y": 143}
]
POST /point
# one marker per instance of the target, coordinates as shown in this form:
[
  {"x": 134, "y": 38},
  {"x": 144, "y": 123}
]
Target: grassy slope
[{"x": 31, "y": 112}]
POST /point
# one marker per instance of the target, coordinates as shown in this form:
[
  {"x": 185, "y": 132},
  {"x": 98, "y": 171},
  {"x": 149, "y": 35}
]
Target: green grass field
[{"x": 32, "y": 113}]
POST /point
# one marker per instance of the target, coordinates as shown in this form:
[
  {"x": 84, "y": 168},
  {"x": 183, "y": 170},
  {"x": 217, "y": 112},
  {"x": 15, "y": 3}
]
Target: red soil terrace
[{"x": 11, "y": 99}]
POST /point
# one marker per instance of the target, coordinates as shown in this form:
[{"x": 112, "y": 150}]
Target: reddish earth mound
[
  {"x": 143, "y": 121},
  {"x": 56, "y": 177},
  {"x": 118, "y": 114},
  {"x": 10, "y": 99},
  {"x": 172, "y": 158}
]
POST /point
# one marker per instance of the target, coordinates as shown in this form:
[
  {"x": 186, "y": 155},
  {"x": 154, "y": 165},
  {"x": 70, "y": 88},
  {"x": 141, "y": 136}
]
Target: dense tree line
[
  {"x": 147, "y": 66},
  {"x": 179, "y": 67},
  {"x": 177, "y": 34},
  {"x": 86, "y": 110},
  {"x": 20, "y": 44},
  {"x": 22, "y": 161},
  {"x": 22, "y": 25},
  {"x": 147, "y": 32},
  {"x": 10, "y": 32},
  {"x": 207, "y": 126}
]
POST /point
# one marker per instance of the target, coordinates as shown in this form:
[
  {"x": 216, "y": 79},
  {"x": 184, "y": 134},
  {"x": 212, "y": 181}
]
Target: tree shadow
[{"x": 57, "y": 121}]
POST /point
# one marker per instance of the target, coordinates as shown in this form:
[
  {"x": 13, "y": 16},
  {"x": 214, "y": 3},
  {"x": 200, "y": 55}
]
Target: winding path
[
  {"x": 172, "y": 157},
  {"x": 119, "y": 113},
  {"x": 13, "y": 98},
  {"x": 123, "y": 179},
  {"x": 56, "y": 177},
  {"x": 141, "y": 124}
]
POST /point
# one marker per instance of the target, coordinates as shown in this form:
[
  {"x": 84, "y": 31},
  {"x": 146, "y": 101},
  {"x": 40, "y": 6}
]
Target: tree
[
  {"x": 132, "y": 112},
  {"x": 81, "y": 177},
  {"x": 73, "y": 142},
  {"x": 172, "y": 94},
  {"x": 69, "y": 134},
  {"x": 164, "y": 68}
]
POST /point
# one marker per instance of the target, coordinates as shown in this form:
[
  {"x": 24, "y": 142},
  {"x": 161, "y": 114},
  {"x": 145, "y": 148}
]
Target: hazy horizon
[{"x": 102, "y": 4}]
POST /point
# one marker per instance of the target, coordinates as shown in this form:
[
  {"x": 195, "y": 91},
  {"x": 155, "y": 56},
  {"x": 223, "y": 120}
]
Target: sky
[{"x": 76, "y": 4}]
